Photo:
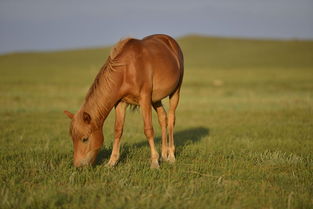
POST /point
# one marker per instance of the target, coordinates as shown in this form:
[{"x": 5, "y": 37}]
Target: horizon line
[{"x": 199, "y": 35}]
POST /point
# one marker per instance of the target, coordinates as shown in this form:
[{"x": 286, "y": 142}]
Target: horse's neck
[{"x": 101, "y": 99}]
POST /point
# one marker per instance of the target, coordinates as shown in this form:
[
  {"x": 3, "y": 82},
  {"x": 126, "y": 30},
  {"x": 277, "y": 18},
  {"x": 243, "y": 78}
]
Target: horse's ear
[
  {"x": 69, "y": 114},
  {"x": 86, "y": 117}
]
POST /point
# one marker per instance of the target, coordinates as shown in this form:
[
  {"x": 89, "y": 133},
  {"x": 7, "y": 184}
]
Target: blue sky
[{"x": 62, "y": 24}]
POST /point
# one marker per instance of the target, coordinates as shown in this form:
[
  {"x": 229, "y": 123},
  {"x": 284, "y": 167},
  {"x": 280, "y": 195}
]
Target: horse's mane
[
  {"x": 117, "y": 48},
  {"x": 108, "y": 67}
]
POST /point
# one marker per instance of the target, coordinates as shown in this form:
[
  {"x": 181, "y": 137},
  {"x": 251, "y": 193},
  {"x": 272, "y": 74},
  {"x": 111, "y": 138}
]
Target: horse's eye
[{"x": 84, "y": 140}]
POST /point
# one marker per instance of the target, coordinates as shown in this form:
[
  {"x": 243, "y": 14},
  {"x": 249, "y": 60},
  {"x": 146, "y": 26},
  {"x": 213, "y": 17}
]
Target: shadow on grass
[
  {"x": 102, "y": 156},
  {"x": 182, "y": 138}
]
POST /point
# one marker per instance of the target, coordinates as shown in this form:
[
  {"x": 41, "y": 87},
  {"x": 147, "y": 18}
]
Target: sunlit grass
[{"x": 244, "y": 132}]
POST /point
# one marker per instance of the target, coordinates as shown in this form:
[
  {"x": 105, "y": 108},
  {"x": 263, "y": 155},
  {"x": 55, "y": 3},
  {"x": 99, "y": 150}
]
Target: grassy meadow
[{"x": 244, "y": 131}]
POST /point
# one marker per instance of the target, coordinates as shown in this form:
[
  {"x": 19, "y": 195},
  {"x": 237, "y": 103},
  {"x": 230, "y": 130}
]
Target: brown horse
[{"x": 138, "y": 72}]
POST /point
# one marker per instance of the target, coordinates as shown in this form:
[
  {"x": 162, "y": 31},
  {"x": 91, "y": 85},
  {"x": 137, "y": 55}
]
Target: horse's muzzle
[{"x": 88, "y": 160}]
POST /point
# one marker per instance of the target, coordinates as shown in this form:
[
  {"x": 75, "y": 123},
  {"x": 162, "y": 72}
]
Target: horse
[{"x": 137, "y": 72}]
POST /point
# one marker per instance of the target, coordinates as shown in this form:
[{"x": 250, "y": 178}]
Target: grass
[{"x": 244, "y": 132}]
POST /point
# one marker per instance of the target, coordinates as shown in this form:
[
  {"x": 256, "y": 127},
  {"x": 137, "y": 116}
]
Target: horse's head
[{"x": 87, "y": 138}]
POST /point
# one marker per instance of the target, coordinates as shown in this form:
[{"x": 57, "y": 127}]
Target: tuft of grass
[{"x": 244, "y": 131}]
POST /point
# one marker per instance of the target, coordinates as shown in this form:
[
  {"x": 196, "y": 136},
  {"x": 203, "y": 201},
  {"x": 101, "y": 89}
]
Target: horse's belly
[
  {"x": 157, "y": 95},
  {"x": 160, "y": 92}
]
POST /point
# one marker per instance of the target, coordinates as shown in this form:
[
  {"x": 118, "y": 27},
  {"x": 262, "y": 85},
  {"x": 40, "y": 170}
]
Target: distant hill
[
  {"x": 199, "y": 52},
  {"x": 215, "y": 52}
]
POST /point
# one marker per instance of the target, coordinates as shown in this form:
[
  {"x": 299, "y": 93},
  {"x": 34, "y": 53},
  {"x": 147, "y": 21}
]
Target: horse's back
[{"x": 166, "y": 39}]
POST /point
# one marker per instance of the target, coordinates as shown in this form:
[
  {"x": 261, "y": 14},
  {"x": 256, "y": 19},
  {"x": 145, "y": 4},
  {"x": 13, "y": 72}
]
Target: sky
[{"x": 30, "y": 25}]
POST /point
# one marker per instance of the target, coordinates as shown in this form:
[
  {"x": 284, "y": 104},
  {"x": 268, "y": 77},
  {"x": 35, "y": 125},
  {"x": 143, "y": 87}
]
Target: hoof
[
  {"x": 111, "y": 164},
  {"x": 164, "y": 155},
  {"x": 155, "y": 164},
  {"x": 171, "y": 159},
  {"x": 164, "y": 158}
]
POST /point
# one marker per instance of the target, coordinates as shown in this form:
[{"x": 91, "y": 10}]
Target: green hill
[
  {"x": 244, "y": 53},
  {"x": 199, "y": 51}
]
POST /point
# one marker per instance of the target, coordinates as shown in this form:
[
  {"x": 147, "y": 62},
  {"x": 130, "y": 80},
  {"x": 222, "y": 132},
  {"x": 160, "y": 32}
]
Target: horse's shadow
[{"x": 182, "y": 138}]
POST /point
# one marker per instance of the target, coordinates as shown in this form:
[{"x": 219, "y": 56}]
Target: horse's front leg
[
  {"x": 145, "y": 107},
  {"x": 120, "y": 110}
]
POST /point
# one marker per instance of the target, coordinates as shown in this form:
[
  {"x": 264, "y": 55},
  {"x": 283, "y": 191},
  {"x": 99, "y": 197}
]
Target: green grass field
[{"x": 244, "y": 132}]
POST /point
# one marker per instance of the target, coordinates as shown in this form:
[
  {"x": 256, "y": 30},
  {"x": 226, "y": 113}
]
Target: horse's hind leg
[
  {"x": 174, "y": 98},
  {"x": 146, "y": 110},
  {"x": 163, "y": 123},
  {"x": 120, "y": 110}
]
